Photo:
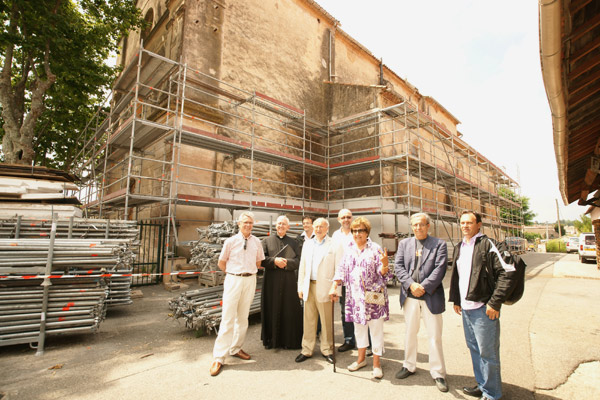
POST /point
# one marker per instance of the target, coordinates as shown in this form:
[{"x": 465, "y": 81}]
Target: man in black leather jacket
[{"x": 478, "y": 288}]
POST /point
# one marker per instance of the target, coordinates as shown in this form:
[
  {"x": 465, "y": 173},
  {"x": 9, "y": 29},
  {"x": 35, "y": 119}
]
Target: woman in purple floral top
[{"x": 363, "y": 268}]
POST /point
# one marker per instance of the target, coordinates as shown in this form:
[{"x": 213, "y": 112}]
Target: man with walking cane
[{"x": 317, "y": 267}]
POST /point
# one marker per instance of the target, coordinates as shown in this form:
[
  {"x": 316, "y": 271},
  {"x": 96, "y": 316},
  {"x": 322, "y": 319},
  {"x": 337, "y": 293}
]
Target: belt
[
  {"x": 242, "y": 274},
  {"x": 313, "y": 281}
]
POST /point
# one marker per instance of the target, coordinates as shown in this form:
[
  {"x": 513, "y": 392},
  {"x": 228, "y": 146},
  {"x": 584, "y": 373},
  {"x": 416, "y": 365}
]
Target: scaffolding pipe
[{"x": 46, "y": 284}]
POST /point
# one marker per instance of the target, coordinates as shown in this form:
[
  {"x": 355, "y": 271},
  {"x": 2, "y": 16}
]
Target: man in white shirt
[
  {"x": 308, "y": 233},
  {"x": 317, "y": 267},
  {"x": 478, "y": 296},
  {"x": 342, "y": 237},
  {"x": 239, "y": 259},
  {"x": 307, "y": 225}
]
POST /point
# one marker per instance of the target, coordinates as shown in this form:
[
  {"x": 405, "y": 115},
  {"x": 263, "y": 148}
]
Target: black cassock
[{"x": 280, "y": 305}]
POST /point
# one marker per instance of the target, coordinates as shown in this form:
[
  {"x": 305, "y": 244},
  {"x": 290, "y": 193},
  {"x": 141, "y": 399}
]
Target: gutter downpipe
[{"x": 551, "y": 60}]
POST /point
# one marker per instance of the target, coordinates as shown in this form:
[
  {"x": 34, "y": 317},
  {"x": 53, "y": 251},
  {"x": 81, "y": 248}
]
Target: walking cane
[{"x": 333, "y": 333}]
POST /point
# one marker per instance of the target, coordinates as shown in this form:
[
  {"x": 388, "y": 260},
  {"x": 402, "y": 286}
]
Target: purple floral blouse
[{"x": 355, "y": 268}]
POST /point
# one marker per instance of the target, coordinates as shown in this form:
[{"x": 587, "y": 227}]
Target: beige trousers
[
  {"x": 238, "y": 294},
  {"x": 313, "y": 310}
]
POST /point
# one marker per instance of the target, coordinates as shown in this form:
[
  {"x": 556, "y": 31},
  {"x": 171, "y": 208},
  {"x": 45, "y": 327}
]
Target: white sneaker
[
  {"x": 356, "y": 366},
  {"x": 377, "y": 373}
]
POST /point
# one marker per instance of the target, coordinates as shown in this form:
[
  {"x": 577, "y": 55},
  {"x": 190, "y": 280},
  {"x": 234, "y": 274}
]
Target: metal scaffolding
[
  {"x": 416, "y": 165},
  {"x": 256, "y": 152}
]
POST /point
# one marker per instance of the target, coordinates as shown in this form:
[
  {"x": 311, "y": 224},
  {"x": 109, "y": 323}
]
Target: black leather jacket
[{"x": 483, "y": 287}]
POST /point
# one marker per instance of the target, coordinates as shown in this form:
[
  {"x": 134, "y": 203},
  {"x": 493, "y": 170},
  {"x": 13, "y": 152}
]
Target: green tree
[
  {"x": 562, "y": 229},
  {"x": 584, "y": 224},
  {"x": 54, "y": 74},
  {"x": 530, "y": 236},
  {"x": 512, "y": 214}
]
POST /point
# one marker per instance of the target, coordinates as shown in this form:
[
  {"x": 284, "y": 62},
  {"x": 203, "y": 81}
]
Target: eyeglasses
[
  {"x": 419, "y": 225},
  {"x": 357, "y": 231},
  {"x": 245, "y": 243},
  {"x": 346, "y": 217}
]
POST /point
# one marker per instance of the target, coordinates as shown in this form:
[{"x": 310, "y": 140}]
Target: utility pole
[
  {"x": 558, "y": 218},
  {"x": 520, "y": 202}
]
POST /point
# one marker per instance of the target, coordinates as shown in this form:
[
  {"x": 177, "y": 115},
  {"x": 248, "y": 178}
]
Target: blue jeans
[{"x": 483, "y": 340}]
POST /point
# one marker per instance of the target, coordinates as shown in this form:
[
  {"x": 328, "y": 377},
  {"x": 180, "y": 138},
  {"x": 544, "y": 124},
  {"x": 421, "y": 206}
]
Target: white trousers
[
  {"x": 361, "y": 332},
  {"x": 238, "y": 293},
  {"x": 414, "y": 310}
]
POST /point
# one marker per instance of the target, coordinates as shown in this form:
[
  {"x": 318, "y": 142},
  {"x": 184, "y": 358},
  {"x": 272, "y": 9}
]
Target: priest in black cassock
[{"x": 280, "y": 306}]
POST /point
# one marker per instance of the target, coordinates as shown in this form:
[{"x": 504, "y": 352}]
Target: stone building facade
[{"x": 269, "y": 104}]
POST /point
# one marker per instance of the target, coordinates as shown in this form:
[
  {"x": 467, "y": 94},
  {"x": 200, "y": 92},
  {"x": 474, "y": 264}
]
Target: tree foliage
[
  {"x": 515, "y": 214},
  {"x": 54, "y": 74},
  {"x": 531, "y": 236},
  {"x": 562, "y": 229},
  {"x": 584, "y": 224}
]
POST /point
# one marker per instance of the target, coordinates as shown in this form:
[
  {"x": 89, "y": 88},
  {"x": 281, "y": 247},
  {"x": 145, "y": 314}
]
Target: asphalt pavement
[{"x": 550, "y": 349}]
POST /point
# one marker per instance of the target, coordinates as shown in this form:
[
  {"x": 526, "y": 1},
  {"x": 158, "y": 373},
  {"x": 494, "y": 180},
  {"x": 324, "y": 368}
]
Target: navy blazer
[{"x": 433, "y": 269}]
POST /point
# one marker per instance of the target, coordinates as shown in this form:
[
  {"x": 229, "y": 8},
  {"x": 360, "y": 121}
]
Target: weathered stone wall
[
  {"x": 278, "y": 48},
  {"x": 163, "y": 36},
  {"x": 355, "y": 143}
]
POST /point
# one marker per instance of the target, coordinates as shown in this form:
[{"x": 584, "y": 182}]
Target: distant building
[{"x": 543, "y": 230}]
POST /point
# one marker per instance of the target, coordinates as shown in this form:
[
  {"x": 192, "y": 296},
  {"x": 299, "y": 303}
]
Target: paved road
[{"x": 550, "y": 349}]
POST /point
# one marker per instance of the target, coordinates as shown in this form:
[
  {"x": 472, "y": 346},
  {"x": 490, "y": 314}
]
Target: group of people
[{"x": 349, "y": 267}]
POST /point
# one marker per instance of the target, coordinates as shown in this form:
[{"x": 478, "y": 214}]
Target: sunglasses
[{"x": 357, "y": 231}]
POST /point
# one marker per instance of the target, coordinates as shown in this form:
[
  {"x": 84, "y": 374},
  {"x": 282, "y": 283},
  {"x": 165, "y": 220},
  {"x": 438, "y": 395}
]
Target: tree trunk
[{"x": 19, "y": 123}]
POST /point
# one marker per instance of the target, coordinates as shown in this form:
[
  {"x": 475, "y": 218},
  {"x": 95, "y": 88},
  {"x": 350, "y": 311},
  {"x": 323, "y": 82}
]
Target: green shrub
[{"x": 556, "y": 246}]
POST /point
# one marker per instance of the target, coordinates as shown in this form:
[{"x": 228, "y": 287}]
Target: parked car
[
  {"x": 573, "y": 244},
  {"x": 587, "y": 247}
]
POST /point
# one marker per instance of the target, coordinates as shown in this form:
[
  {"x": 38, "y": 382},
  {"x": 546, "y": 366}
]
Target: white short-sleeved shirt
[{"x": 238, "y": 259}]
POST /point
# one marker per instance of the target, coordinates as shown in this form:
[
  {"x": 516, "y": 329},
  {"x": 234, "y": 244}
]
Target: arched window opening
[{"x": 149, "y": 20}]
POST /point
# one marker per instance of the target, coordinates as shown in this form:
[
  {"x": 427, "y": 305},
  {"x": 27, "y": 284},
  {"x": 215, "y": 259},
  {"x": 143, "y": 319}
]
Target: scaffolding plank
[
  {"x": 204, "y": 201},
  {"x": 214, "y": 141},
  {"x": 275, "y": 101}
]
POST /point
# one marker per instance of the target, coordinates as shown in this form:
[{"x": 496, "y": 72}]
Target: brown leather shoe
[
  {"x": 242, "y": 354},
  {"x": 215, "y": 368}
]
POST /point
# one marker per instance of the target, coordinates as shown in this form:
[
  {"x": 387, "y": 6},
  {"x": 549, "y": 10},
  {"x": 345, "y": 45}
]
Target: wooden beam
[
  {"x": 583, "y": 68},
  {"x": 585, "y": 82},
  {"x": 592, "y": 45},
  {"x": 583, "y": 197},
  {"x": 585, "y": 27},
  {"x": 584, "y": 94},
  {"x": 577, "y": 5}
]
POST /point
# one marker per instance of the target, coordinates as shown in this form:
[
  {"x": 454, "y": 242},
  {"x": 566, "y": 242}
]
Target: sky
[{"x": 480, "y": 60}]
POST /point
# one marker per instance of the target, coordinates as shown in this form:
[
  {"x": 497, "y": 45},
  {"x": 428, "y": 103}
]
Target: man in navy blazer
[{"x": 420, "y": 267}]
